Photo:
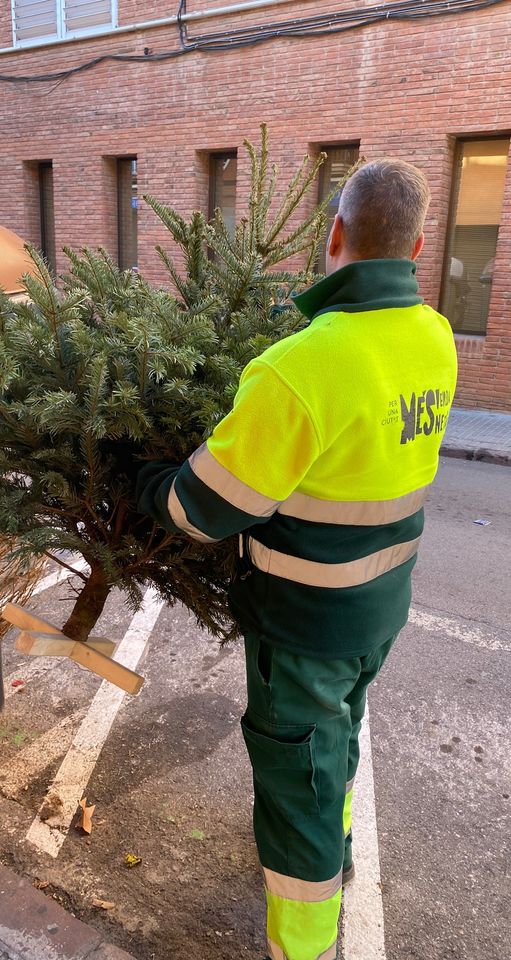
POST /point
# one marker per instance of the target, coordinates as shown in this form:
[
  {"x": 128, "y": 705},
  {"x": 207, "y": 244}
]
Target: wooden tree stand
[{"x": 39, "y": 638}]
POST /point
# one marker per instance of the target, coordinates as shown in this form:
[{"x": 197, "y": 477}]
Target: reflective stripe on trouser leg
[
  {"x": 347, "y": 813},
  {"x": 303, "y": 929},
  {"x": 346, "y": 823}
]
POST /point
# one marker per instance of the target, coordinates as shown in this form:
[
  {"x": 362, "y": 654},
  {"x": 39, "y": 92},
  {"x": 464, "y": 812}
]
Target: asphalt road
[
  {"x": 172, "y": 786},
  {"x": 441, "y": 733}
]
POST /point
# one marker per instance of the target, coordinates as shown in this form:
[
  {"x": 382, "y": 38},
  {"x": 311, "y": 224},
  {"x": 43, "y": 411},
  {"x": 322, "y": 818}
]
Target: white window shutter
[
  {"x": 34, "y": 19},
  {"x": 84, "y": 14}
]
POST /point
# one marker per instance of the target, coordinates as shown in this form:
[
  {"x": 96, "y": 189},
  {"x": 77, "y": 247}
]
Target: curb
[
  {"x": 500, "y": 457},
  {"x": 34, "y": 927}
]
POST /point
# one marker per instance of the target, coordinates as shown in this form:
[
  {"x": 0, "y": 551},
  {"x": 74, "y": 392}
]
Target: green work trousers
[{"x": 301, "y": 729}]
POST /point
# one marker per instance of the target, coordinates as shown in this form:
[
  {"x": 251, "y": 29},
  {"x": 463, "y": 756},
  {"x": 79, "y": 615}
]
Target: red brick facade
[{"x": 406, "y": 89}]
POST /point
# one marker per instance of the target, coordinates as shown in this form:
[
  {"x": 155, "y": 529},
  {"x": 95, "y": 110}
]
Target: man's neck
[
  {"x": 343, "y": 260},
  {"x": 362, "y": 285}
]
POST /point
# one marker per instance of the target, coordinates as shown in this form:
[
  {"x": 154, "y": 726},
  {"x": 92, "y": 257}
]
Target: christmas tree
[{"x": 105, "y": 372}]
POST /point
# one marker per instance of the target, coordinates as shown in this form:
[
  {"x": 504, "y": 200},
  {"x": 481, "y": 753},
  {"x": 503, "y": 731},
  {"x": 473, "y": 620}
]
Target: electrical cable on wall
[
  {"x": 181, "y": 25},
  {"x": 318, "y": 25}
]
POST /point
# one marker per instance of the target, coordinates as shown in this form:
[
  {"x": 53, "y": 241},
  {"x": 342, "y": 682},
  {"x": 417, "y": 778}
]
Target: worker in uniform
[{"x": 323, "y": 467}]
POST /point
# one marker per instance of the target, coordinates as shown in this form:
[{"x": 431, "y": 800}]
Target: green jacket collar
[{"x": 360, "y": 286}]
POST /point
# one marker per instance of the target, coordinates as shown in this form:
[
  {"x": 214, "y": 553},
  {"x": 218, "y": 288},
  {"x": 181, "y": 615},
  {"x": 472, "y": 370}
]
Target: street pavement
[
  {"x": 441, "y": 732},
  {"x": 478, "y": 435},
  {"x": 47, "y": 932},
  {"x": 168, "y": 774}
]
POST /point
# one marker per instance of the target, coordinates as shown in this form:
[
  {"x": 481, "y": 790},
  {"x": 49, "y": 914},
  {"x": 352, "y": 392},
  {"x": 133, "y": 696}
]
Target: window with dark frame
[
  {"x": 222, "y": 187},
  {"x": 476, "y": 206},
  {"x": 47, "y": 214},
  {"x": 127, "y": 213},
  {"x": 338, "y": 162}
]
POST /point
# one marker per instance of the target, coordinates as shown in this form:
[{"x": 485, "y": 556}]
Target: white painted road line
[
  {"x": 457, "y": 629},
  {"x": 77, "y": 766},
  {"x": 364, "y": 935},
  {"x": 37, "y": 756}
]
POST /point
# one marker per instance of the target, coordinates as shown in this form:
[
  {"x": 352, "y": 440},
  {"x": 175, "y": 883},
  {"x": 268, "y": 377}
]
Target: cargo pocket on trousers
[{"x": 283, "y": 766}]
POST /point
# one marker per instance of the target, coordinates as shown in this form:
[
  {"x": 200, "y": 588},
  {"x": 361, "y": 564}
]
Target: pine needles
[{"x": 106, "y": 372}]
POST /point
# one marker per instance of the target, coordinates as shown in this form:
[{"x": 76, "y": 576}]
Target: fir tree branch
[
  {"x": 154, "y": 369},
  {"x": 297, "y": 190},
  {"x": 47, "y": 282},
  {"x": 179, "y": 284},
  {"x": 150, "y": 554},
  {"x": 62, "y": 563}
]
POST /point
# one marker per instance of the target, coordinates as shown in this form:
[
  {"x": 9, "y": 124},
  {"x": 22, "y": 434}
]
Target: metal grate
[
  {"x": 34, "y": 19},
  {"x": 84, "y": 14},
  {"x": 47, "y": 19}
]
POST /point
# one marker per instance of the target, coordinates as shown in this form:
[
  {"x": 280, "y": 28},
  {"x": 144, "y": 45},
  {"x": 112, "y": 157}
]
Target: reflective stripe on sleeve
[
  {"x": 307, "y": 891},
  {"x": 226, "y": 485},
  {"x": 363, "y": 513},
  {"x": 331, "y": 575},
  {"x": 178, "y": 515},
  {"x": 349, "y": 785}
]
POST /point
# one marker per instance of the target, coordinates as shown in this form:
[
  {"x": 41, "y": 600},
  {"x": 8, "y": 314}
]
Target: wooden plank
[
  {"x": 107, "y": 668},
  {"x": 19, "y": 617},
  {"x": 101, "y": 644},
  {"x": 37, "y": 644},
  {"x": 49, "y": 645},
  {"x": 25, "y": 620}
]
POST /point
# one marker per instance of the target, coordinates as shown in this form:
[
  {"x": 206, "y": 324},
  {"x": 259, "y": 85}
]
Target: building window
[
  {"x": 222, "y": 187},
  {"x": 47, "y": 215},
  {"x": 477, "y": 197},
  {"x": 127, "y": 212},
  {"x": 338, "y": 162},
  {"x": 36, "y": 21}
]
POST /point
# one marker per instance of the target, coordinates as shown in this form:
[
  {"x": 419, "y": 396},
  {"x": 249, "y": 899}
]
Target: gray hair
[{"x": 383, "y": 207}]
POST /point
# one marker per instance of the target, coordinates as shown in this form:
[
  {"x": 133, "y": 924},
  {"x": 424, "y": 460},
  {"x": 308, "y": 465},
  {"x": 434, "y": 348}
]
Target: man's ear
[
  {"x": 418, "y": 245},
  {"x": 336, "y": 238}
]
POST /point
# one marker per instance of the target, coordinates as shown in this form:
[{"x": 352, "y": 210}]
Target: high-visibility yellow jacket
[{"x": 323, "y": 464}]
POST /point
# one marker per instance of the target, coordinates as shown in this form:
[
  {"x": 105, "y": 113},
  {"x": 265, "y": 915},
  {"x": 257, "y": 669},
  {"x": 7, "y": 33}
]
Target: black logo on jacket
[{"x": 425, "y": 413}]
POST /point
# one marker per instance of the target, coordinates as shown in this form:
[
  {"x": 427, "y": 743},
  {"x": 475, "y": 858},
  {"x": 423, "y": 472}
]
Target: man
[{"x": 323, "y": 467}]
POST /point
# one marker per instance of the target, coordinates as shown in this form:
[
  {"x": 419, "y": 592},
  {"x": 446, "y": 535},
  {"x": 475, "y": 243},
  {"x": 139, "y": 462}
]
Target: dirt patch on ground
[{"x": 172, "y": 786}]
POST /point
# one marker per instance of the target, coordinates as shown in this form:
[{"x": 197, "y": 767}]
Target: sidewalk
[
  {"x": 34, "y": 927},
  {"x": 478, "y": 435}
]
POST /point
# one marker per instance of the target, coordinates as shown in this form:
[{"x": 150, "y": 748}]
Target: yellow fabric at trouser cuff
[
  {"x": 275, "y": 952},
  {"x": 346, "y": 814},
  {"x": 302, "y": 930}
]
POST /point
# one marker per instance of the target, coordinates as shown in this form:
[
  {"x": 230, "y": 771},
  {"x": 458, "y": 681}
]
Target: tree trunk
[{"x": 88, "y": 607}]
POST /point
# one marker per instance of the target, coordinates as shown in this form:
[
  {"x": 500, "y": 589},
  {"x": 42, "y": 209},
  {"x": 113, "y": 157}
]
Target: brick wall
[
  {"x": 5, "y": 25},
  {"x": 132, "y": 11},
  {"x": 401, "y": 89}
]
